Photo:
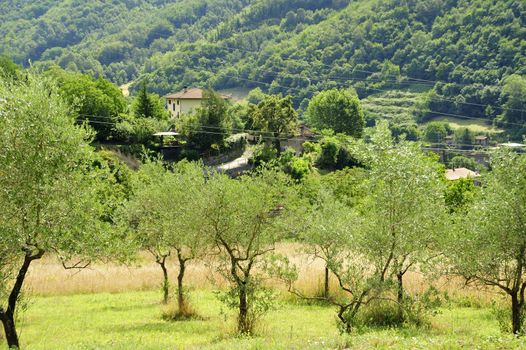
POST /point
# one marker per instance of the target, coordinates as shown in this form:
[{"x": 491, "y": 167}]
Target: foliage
[
  {"x": 297, "y": 167},
  {"x": 404, "y": 212},
  {"x": 8, "y": 69},
  {"x": 305, "y": 46},
  {"x": 334, "y": 152},
  {"x": 162, "y": 228},
  {"x": 55, "y": 198},
  {"x": 339, "y": 110},
  {"x": 464, "y": 137},
  {"x": 208, "y": 127},
  {"x": 139, "y": 131},
  {"x": 243, "y": 218},
  {"x": 464, "y": 162},
  {"x": 148, "y": 105},
  {"x": 275, "y": 117},
  {"x": 459, "y": 194},
  {"x": 436, "y": 132},
  {"x": 488, "y": 243},
  {"x": 513, "y": 95},
  {"x": 98, "y": 101}
]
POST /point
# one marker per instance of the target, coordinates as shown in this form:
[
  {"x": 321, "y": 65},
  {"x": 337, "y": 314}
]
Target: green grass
[
  {"x": 395, "y": 105},
  {"x": 474, "y": 125},
  {"x": 133, "y": 321}
]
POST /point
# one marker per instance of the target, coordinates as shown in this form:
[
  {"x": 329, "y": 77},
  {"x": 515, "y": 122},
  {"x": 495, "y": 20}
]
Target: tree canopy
[{"x": 339, "y": 110}]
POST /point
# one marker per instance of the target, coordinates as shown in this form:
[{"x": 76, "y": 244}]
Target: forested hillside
[{"x": 467, "y": 56}]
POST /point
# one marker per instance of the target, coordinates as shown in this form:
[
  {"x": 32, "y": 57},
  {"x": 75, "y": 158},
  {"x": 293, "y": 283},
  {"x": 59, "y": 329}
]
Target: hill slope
[{"x": 463, "y": 49}]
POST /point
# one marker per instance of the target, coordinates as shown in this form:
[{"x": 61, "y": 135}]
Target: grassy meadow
[
  {"x": 475, "y": 125},
  {"x": 118, "y": 307}
]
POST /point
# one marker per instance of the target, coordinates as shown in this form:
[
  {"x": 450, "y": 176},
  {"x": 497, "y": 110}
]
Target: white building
[{"x": 185, "y": 101}]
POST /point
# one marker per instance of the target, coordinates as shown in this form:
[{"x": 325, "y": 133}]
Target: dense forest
[{"x": 461, "y": 57}]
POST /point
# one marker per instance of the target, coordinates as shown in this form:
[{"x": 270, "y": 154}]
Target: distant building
[
  {"x": 460, "y": 173},
  {"x": 449, "y": 140},
  {"x": 482, "y": 140},
  {"x": 185, "y": 101}
]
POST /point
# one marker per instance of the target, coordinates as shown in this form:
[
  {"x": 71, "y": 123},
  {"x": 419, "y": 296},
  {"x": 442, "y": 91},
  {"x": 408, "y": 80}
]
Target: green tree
[
  {"x": 162, "y": 228},
  {"x": 8, "y": 69},
  {"x": 435, "y": 132},
  {"x": 405, "y": 209},
  {"x": 488, "y": 244},
  {"x": 514, "y": 95},
  {"x": 54, "y": 200},
  {"x": 333, "y": 232},
  {"x": 339, "y": 110},
  {"x": 148, "y": 105},
  {"x": 243, "y": 218},
  {"x": 209, "y": 126},
  {"x": 459, "y": 194},
  {"x": 464, "y": 162},
  {"x": 464, "y": 137},
  {"x": 275, "y": 117},
  {"x": 97, "y": 101}
]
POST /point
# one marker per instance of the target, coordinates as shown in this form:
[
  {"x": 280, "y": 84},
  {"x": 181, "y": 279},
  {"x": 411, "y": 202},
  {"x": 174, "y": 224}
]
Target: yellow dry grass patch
[{"x": 48, "y": 277}]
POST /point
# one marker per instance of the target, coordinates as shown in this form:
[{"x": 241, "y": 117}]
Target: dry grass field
[{"x": 112, "y": 306}]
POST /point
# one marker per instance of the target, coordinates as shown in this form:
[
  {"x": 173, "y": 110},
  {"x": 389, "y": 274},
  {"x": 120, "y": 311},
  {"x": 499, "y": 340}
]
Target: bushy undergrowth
[
  {"x": 260, "y": 301},
  {"x": 172, "y": 312},
  {"x": 414, "y": 311}
]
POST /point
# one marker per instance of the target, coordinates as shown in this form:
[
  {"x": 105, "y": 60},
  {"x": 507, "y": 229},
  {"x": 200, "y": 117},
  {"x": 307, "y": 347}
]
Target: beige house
[{"x": 185, "y": 101}]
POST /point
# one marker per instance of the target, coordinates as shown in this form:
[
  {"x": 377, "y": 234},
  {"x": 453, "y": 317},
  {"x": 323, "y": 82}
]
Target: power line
[
  {"x": 429, "y": 111},
  {"x": 222, "y": 45},
  {"x": 288, "y": 138}
]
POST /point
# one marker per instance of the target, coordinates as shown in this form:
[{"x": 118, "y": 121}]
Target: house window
[
  {"x": 169, "y": 102},
  {"x": 178, "y": 102},
  {"x": 173, "y": 107}
]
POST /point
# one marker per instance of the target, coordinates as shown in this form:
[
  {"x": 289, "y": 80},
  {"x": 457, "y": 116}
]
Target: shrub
[
  {"x": 261, "y": 300},
  {"x": 171, "y": 312},
  {"x": 263, "y": 154},
  {"x": 190, "y": 154}
]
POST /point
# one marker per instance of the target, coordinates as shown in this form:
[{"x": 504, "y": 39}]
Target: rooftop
[
  {"x": 191, "y": 94},
  {"x": 460, "y": 173}
]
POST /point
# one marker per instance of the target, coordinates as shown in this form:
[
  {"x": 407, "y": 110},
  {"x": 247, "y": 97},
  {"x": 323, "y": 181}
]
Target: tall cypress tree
[{"x": 144, "y": 106}]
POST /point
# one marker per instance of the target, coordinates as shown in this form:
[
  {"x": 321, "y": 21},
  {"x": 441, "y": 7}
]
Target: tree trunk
[
  {"x": 277, "y": 145},
  {"x": 516, "y": 313},
  {"x": 243, "y": 324},
  {"x": 8, "y": 316},
  {"x": 166, "y": 281},
  {"x": 10, "y": 330},
  {"x": 326, "y": 283},
  {"x": 180, "y": 290},
  {"x": 400, "y": 279}
]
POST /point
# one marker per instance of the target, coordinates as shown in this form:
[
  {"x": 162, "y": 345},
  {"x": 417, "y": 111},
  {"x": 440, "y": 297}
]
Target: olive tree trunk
[
  {"x": 166, "y": 282},
  {"x": 7, "y": 316},
  {"x": 180, "y": 288},
  {"x": 326, "y": 283},
  {"x": 243, "y": 322}
]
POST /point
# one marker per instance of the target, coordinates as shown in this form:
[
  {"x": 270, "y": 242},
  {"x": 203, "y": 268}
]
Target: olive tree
[
  {"x": 334, "y": 232},
  {"x": 50, "y": 190},
  {"x": 243, "y": 217},
  {"x": 164, "y": 213},
  {"x": 404, "y": 209},
  {"x": 488, "y": 245}
]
